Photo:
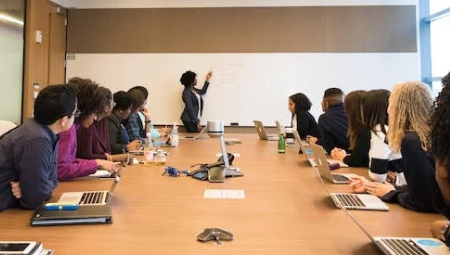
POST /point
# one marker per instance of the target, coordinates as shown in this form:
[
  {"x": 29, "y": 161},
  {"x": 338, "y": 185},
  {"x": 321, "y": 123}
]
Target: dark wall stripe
[{"x": 244, "y": 30}]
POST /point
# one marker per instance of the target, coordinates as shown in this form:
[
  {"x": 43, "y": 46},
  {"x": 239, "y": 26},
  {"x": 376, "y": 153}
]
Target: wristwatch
[{"x": 148, "y": 121}]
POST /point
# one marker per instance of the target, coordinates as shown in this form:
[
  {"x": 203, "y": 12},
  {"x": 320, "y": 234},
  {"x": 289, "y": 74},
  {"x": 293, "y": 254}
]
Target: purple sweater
[
  {"x": 93, "y": 142},
  {"x": 69, "y": 166}
]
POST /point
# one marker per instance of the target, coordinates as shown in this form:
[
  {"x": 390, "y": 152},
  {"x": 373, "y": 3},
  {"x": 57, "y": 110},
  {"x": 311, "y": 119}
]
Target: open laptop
[
  {"x": 306, "y": 149},
  {"x": 89, "y": 198},
  {"x": 405, "y": 245},
  {"x": 324, "y": 167},
  {"x": 198, "y": 136},
  {"x": 352, "y": 201},
  {"x": 262, "y": 131}
]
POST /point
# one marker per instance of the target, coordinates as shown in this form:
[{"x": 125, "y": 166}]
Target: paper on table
[
  {"x": 236, "y": 155},
  {"x": 224, "y": 193}
]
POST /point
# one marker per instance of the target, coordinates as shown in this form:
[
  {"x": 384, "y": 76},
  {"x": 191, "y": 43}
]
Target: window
[
  {"x": 11, "y": 60},
  {"x": 438, "y": 5},
  {"x": 435, "y": 41}
]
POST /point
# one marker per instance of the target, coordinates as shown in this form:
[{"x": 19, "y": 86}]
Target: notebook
[
  {"x": 83, "y": 215},
  {"x": 89, "y": 198}
]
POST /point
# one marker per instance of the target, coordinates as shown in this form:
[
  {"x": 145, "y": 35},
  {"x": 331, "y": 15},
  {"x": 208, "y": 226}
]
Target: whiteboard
[{"x": 245, "y": 87}]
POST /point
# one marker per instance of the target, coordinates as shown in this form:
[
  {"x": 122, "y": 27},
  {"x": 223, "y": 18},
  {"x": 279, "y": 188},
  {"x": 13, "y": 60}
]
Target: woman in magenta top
[
  {"x": 93, "y": 141},
  {"x": 69, "y": 166}
]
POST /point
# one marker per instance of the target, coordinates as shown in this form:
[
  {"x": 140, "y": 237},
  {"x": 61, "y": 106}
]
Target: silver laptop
[
  {"x": 405, "y": 245},
  {"x": 324, "y": 167},
  {"x": 87, "y": 198},
  {"x": 306, "y": 149},
  {"x": 262, "y": 131},
  {"x": 358, "y": 202},
  {"x": 198, "y": 136}
]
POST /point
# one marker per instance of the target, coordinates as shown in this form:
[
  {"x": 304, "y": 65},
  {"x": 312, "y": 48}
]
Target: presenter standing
[{"x": 192, "y": 98}]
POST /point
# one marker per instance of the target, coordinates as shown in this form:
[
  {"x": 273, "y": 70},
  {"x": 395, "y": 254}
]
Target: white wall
[
  {"x": 220, "y": 3},
  {"x": 11, "y": 64},
  {"x": 245, "y": 86}
]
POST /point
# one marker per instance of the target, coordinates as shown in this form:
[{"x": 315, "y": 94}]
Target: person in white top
[{"x": 384, "y": 163}]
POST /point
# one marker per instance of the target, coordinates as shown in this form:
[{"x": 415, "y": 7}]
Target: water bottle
[
  {"x": 148, "y": 152},
  {"x": 174, "y": 135},
  {"x": 281, "y": 144}
]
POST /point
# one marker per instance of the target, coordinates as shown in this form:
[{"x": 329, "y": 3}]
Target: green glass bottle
[{"x": 281, "y": 144}]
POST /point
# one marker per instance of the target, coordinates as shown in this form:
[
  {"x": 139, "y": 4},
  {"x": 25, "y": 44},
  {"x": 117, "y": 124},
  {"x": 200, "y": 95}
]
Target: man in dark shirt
[
  {"x": 28, "y": 153},
  {"x": 333, "y": 124}
]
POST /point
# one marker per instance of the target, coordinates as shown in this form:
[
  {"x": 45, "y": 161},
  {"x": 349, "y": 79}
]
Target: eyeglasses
[{"x": 76, "y": 114}]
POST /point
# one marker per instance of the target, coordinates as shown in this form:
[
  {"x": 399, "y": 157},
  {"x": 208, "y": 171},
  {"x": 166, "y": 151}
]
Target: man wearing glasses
[{"x": 28, "y": 153}]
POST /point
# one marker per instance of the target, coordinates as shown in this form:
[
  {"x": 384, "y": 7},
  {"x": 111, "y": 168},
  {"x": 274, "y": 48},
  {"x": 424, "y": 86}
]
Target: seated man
[
  {"x": 333, "y": 124},
  {"x": 28, "y": 153}
]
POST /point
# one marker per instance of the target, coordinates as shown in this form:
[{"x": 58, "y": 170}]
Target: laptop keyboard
[
  {"x": 89, "y": 198},
  {"x": 403, "y": 247},
  {"x": 339, "y": 178},
  {"x": 350, "y": 200}
]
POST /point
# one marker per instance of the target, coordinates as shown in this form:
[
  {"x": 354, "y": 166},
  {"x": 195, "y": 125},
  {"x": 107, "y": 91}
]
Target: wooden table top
[{"x": 286, "y": 210}]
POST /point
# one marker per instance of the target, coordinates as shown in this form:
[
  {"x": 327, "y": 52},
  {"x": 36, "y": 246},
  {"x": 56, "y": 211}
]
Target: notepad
[{"x": 224, "y": 194}]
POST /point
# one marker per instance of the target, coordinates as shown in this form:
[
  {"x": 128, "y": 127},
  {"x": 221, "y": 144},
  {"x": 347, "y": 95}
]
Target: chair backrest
[{"x": 5, "y": 126}]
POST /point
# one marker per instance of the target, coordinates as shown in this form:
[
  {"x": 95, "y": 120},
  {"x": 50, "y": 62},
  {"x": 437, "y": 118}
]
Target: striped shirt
[{"x": 382, "y": 159}]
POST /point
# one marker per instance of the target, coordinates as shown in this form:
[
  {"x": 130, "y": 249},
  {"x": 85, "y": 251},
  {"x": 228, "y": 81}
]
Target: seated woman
[
  {"x": 440, "y": 148},
  {"x": 118, "y": 136},
  {"x": 93, "y": 141},
  {"x": 384, "y": 164},
  {"x": 409, "y": 112},
  {"x": 359, "y": 136},
  {"x": 144, "y": 115},
  {"x": 302, "y": 121},
  {"x": 68, "y": 166}
]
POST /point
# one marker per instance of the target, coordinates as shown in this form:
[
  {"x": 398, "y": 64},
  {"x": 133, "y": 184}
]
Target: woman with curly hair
[
  {"x": 193, "y": 100},
  {"x": 409, "y": 112},
  {"x": 302, "y": 121},
  {"x": 68, "y": 165},
  {"x": 440, "y": 147},
  {"x": 93, "y": 141}
]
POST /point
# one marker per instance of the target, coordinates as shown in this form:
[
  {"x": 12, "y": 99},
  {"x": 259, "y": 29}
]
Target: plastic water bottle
[
  {"x": 174, "y": 135},
  {"x": 281, "y": 144},
  {"x": 148, "y": 152}
]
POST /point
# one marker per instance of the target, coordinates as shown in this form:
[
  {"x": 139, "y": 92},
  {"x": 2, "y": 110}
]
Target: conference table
[{"x": 286, "y": 209}]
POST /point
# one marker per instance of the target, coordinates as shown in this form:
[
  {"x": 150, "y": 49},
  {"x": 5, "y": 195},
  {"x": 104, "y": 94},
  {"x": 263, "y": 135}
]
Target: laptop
[
  {"x": 89, "y": 198},
  {"x": 198, "y": 136},
  {"x": 306, "y": 149},
  {"x": 352, "y": 201},
  {"x": 262, "y": 131},
  {"x": 405, "y": 245},
  {"x": 324, "y": 167}
]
